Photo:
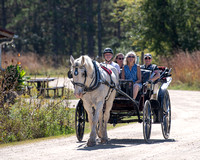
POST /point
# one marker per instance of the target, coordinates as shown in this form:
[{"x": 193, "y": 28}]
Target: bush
[
  {"x": 36, "y": 118},
  {"x": 22, "y": 118}
]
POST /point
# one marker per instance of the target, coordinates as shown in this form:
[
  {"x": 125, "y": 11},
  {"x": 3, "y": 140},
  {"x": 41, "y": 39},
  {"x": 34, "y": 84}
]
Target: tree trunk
[
  {"x": 90, "y": 29},
  {"x": 3, "y": 14},
  {"x": 99, "y": 29},
  {"x": 55, "y": 29}
]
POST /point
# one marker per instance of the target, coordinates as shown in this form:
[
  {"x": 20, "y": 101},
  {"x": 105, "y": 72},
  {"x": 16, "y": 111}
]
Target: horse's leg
[
  {"x": 89, "y": 110},
  {"x": 106, "y": 116},
  {"x": 100, "y": 124},
  {"x": 93, "y": 120}
]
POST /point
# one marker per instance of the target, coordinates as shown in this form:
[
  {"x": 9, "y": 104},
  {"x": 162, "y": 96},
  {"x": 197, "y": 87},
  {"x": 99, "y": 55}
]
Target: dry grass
[
  {"x": 186, "y": 68},
  {"x": 35, "y": 64}
]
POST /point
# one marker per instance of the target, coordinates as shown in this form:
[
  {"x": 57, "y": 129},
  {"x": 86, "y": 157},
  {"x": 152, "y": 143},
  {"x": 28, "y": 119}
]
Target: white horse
[{"x": 95, "y": 87}]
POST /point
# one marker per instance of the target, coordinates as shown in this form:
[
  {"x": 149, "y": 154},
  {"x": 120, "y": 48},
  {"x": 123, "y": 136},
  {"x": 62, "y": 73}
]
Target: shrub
[{"x": 35, "y": 118}]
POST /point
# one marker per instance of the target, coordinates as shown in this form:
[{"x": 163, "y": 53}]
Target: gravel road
[{"x": 126, "y": 143}]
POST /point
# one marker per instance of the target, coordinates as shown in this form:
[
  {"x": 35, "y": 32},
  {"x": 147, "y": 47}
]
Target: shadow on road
[{"x": 119, "y": 143}]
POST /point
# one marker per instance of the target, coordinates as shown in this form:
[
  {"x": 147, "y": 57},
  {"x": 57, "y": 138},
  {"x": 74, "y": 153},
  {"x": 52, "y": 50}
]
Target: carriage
[{"x": 152, "y": 105}]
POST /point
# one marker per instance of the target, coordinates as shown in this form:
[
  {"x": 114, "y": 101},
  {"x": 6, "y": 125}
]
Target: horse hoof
[
  {"x": 104, "y": 141},
  {"x": 91, "y": 143}
]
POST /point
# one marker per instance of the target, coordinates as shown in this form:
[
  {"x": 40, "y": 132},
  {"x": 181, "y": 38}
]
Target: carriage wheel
[
  {"x": 80, "y": 120},
  {"x": 147, "y": 121},
  {"x": 166, "y": 123}
]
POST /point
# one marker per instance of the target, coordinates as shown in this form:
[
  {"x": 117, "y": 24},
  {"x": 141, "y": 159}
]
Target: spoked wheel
[
  {"x": 80, "y": 120},
  {"x": 147, "y": 121},
  {"x": 166, "y": 123}
]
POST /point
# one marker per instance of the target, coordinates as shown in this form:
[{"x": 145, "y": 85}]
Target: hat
[
  {"x": 108, "y": 50},
  {"x": 147, "y": 55}
]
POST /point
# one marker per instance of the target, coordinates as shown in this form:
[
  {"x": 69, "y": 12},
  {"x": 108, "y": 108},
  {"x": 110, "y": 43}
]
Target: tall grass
[
  {"x": 35, "y": 119},
  {"x": 185, "y": 70},
  {"x": 35, "y": 64}
]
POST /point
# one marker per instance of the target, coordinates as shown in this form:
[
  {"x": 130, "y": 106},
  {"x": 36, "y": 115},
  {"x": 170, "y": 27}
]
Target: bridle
[{"x": 96, "y": 81}]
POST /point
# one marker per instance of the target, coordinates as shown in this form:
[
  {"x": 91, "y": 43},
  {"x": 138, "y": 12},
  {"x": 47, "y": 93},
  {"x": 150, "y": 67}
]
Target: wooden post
[
  {"x": 142, "y": 58},
  {"x": 0, "y": 58}
]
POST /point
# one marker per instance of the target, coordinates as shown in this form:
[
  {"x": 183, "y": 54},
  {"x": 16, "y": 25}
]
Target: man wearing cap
[
  {"x": 108, "y": 56},
  {"x": 152, "y": 67}
]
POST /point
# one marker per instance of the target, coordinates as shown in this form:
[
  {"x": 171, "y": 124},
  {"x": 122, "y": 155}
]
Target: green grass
[
  {"x": 185, "y": 86},
  {"x": 87, "y": 130},
  {"x": 34, "y": 140}
]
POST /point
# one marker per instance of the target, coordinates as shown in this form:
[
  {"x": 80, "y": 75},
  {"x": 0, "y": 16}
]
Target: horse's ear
[
  {"x": 82, "y": 61},
  {"x": 72, "y": 59}
]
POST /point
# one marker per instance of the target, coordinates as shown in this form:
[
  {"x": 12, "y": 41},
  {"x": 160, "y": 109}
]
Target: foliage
[
  {"x": 59, "y": 27},
  {"x": 14, "y": 78},
  {"x": 22, "y": 118},
  {"x": 85, "y": 27},
  {"x": 35, "y": 119},
  {"x": 12, "y": 83},
  {"x": 162, "y": 26}
]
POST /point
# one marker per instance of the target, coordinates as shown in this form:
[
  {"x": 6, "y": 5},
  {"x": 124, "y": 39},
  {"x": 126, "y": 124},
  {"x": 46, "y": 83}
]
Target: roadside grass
[
  {"x": 185, "y": 86},
  {"x": 30, "y": 141},
  {"x": 24, "y": 142},
  {"x": 185, "y": 70},
  {"x": 31, "y": 118}
]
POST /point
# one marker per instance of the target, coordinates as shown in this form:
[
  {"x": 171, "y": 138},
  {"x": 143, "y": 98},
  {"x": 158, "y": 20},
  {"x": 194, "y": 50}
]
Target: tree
[{"x": 162, "y": 26}]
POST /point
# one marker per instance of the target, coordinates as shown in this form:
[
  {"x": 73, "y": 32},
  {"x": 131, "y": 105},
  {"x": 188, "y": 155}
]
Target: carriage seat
[{"x": 145, "y": 75}]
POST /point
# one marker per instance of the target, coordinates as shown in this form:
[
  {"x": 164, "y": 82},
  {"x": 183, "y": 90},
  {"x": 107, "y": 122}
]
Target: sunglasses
[
  {"x": 147, "y": 58},
  {"x": 131, "y": 56},
  {"x": 120, "y": 58}
]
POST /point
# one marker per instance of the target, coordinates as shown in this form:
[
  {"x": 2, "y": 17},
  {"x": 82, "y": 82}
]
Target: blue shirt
[{"x": 131, "y": 74}]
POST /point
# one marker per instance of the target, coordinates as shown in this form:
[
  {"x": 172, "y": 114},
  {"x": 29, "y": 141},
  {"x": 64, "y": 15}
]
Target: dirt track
[{"x": 127, "y": 142}]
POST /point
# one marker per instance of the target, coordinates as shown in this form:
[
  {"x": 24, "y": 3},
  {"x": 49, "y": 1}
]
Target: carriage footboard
[{"x": 134, "y": 101}]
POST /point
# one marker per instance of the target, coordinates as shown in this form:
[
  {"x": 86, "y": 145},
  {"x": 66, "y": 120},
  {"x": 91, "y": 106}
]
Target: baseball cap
[{"x": 147, "y": 55}]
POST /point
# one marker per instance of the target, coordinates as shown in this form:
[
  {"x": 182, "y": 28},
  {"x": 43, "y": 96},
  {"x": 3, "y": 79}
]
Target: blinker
[
  {"x": 76, "y": 72},
  {"x": 69, "y": 74}
]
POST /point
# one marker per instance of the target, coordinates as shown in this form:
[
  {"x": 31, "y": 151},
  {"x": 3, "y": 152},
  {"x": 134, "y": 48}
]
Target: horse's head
[{"x": 79, "y": 71}]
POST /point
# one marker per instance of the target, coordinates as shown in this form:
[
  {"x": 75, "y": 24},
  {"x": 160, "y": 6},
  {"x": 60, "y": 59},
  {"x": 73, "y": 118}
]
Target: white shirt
[{"x": 116, "y": 66}]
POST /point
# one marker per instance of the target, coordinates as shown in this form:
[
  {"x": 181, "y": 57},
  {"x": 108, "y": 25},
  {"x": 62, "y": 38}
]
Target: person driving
[
  {"x": 149, "y": 66},
  {"x": 108, "y": 56}
]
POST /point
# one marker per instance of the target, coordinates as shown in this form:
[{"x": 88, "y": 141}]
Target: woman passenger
[
  {"x": 119, "y": 58},
  {"x": 131, "y": 71}
]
